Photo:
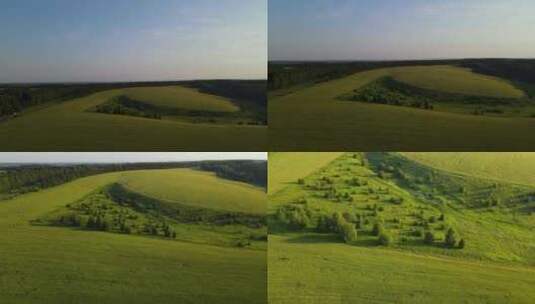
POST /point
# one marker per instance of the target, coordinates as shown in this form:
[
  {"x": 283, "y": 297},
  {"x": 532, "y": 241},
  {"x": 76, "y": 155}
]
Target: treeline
[
  {"x": 287, "y": 74},
  {"x": 15, "y": 99},
  {"x": 20, "y": 179},
  {"x": 250, "y": 95},
  {"x": 251, "y": 172}
]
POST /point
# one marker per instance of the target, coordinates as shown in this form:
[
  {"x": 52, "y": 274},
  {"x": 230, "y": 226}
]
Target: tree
[
  {"x": 377, "y": 229},
  {"x": 451, "y": 239},
  {"x": 461, "y": 244},
  {"x": 348, "y": 232},
  {"x": 385, "y": 239},
  {"x": 429, "y": 238}
]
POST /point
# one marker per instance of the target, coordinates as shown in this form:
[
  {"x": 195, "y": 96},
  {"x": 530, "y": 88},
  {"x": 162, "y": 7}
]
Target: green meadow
[
  {"x": 141, "y": 248},
  {"x": 403, "y": 228},
  {"x": 169, "y": 118},
  {"x": 430, "y": 108}
]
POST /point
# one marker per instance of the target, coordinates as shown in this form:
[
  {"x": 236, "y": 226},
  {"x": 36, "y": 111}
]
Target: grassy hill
[
  {"x": 380, "y": 227},
  {"x": 186, "y": 186},
  {"x": 42, "y": 262},
  {"x": 180, "y": 97},
  {"x": 515, "y": 167},
  {"x": 186, "y": 120},
  {"x": 288, "y": 167},
  {"x": 457, "y": 80},
  {"x": 328, "y": 120}
]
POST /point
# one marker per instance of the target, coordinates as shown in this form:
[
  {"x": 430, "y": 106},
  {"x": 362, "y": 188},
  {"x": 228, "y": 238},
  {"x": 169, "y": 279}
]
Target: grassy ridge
[
  {"x": 310, "y": 265},
  {"x": 180, "y": 97},
  {"x": 288, "y": 167},
  {"x": 509, "y": 167},
  {"x": 314, "y": 118},
  {"x": 457, "y": 80},
  {"x": 70, "y": 127},
  {"x": 61, "y": 265},
  {"x": 186, "y": 186}
]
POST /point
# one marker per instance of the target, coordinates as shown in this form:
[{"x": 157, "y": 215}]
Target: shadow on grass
[{"x": 315, "y": 238}]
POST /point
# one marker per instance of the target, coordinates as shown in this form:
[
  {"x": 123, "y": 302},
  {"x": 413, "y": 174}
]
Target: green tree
[
  {"x": 348, "y": 232},
  {"x": 385, "y": 239},
  {"x": 377, "y": 229},
  {"x": 451, "y": 238},
  {"x": 429, "y": 238}
]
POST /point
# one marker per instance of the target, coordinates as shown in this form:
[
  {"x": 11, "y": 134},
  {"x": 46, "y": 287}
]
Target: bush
[
  {"x": 385, "y": 239},
  {"x": 451, "y": 239},
  {"x": 461, "y": 244},
  {"x": 377, "y": 229},
  {"x": 348, "y": 232},
  {"x": 429, "y": 238}
]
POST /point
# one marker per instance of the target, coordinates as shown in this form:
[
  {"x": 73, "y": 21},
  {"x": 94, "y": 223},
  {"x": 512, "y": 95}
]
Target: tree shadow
[{"x": 315, "y": 238}]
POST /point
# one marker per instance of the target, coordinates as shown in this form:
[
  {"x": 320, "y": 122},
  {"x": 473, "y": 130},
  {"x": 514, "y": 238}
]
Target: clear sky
[
  {"x": 125, "y": 40},
  {"x": 122, "y": 157},
  {"x": 400, "y": 29}
]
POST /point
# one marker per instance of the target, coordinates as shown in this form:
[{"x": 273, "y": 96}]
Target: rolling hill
[
  {"x": 47, "y": 258},
  {"x": 426, "y": 108},
  {"x": 381, "y": 227},
  {"x": 171, "y": 118}
]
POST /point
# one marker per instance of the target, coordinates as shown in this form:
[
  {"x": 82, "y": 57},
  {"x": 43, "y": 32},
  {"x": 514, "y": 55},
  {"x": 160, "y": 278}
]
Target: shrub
[
  {"x": 377, "y": 229},
  {"x": 429, "y": 238},
  {"x": 325, "y": 224},
  {"x": 461, "y": 244},
  {"x": 385, "y": 239},
  {"x": 348, "y": 232},
  {"x": 451, "y": 239}
]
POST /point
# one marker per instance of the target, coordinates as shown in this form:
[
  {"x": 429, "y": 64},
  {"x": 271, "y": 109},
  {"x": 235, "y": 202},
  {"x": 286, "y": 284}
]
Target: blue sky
[
  {"x": 121, "y": 40},
  {"x": 118, "y": 157},
  {"x": 400, "y": 29}
]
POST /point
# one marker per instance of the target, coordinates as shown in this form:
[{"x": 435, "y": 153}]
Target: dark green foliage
[
  {"x": 385, "y": 239},
  {"x": 450, "y": 240},
  {"x": 377, "y": 229},
  {"x": 123, "y": 105},
  {"x": 389, "y": 91},
  {"x": 429, "y": 238},
  {"x": 294, "y": 216},
  {"x": 348, "y": 232},
  {"x": 461, "y": 244}
]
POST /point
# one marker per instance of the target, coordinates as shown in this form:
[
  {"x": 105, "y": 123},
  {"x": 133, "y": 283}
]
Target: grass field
[
  {"x": 513, "y": 167},
  {"x": 71, "y": 126},
  {"x": 314, "y": 118},
  {"x": 180, "y": 97},
  {"x": 457, "y": 80},
  {"x": 407, "y": 199},
  {"x": 45, "y": 264},
  {"x": 186, "y": 186},
  {"x": 291, "y": 166}
]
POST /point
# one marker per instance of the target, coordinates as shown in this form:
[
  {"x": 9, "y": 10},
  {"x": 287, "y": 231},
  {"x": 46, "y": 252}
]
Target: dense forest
[
  {"x": 247, "y": 94},
  {"x": 287, "y": 74},
  {"x": 18, "y": 179}
]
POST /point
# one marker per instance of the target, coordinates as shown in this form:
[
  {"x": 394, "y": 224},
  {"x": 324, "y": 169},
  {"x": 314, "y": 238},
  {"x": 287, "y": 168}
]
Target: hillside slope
[
  {"x": 326, "y": 123},
  {"x": 392, "y": 204},
  {"x": 42, "y": 263},
  {"x": 516, "y": 167},
  {"x": 74, "y": 126}
]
